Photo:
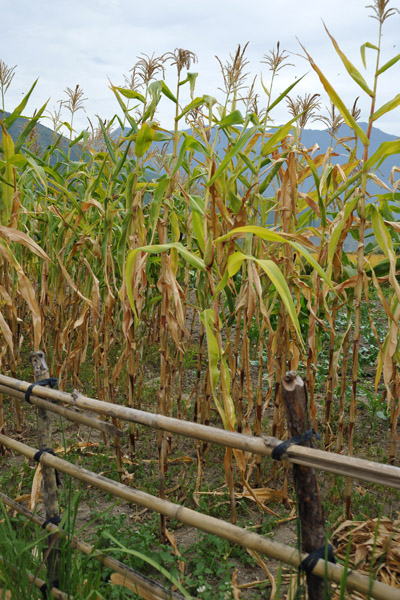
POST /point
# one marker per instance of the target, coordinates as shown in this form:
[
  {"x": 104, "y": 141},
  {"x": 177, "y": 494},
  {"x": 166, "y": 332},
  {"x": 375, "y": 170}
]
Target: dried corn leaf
[
  {"x": 263, "y": 495},
  {"x": 374, "y": 547},
  {"x": 35, "y": 490}
]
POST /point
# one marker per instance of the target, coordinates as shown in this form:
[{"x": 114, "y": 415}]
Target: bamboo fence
[
  {"x": 232, "y": 533},
  {"x": 357, "y": 468}
]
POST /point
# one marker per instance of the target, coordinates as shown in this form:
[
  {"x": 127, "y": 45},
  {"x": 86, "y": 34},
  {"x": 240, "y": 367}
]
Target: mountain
[
  {"x": 46, "y": 137},
  {"x": 41, "y": 137}
]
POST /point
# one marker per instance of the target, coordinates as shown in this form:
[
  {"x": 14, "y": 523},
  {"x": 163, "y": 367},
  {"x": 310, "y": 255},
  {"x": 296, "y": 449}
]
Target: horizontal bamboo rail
[
  {"x": 137, "y": 579},
  {"x": 232, "y": 533},
  {"x": 70, "y": 415},
  {"x": 39, "y": 583},
  {"x": 348, "y": 466}
]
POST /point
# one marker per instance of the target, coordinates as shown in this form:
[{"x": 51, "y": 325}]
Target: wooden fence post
[
  {"x": 50, "y": 488},
  {"x": 310, "y": 508}
]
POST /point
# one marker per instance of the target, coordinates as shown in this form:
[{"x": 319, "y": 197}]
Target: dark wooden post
[
  {"x": 50, "y": 489},
  {"x": 311, "y": 512}
]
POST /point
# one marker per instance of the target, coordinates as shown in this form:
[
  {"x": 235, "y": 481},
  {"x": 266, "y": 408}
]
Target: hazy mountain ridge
[
  {"x": 41, "y": 135},
  {"x": 45, "y": 136}
]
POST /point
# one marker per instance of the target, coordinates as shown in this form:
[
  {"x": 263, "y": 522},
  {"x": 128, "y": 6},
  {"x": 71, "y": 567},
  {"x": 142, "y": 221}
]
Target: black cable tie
[
  {"x": 43, "y": 590},
  {"x": 281, "y": 448},
  {"x": 311, "y": 560},
  {"x": 51, "y": 381},
  {"x": 53, "y": 520},
  {"x": 37, "y": 456}
]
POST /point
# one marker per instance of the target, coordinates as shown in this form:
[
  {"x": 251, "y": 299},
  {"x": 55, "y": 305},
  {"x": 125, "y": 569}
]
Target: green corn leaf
[
  {"x": 350, "y": 68},
  {"x": 197, "y": 223},
  {"x": 7, "y": 186},
  {"x": 277, "y": 137},
  {"x": 385, "y": 149},
  {"x": 131, "y": 94},
  {"x": 234, "y": 118},
  {"x": 189, "y": 143},
  {"x": 121, "y": 162},
  {"x": 144, "y": 139},
  {"x": 197, "y": 208},
  {"x": 265, "y": 234},
  {"x": 191, "y": 78},
  {"x": 121, "y": 247},
  {"x": 107, "y": 139},
  {"x": 335, "y": 236},
  {"x": 389, "y": 64},
  {"x": 195, "y": 103},
  {"x": 253, "y": 118},
  {"x": 264, "y": 87},
  {"x": 338, "y": 102},
  {"x": 272, "y": 236},
  {"x": 285, "y": 93},
  {"x": 27, "y": 130},
  {"x": 174, "y": 221},
  {"x": 167, "y": 92},
  {"x": 40, "y": 172},
  {"x": 125, "y": 110},
  {"x": 156, "y": 203},
  {"x": 208, "y": 319},
  {"x": 381, "y": 232},
  {"x": 384, "y": 240},
  {"x": 362, "y": 51},
  {"x": 18, "y": 110},
  {"x": 275, "y": 275},
  {"x": 249, "y": 163},
  {"x": 271, "y": 174},
  {"x": 235, "y": 262},
  {"x": 243, "y": 139},
  {"x": 393, "y": 103},
  {"x": 197, "y": 205},
  {"x": 309, "y": 258}
]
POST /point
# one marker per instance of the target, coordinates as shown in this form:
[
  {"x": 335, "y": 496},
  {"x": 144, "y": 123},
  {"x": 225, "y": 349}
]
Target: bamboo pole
[
  {"x": 39, "y": 583},
  {"x": 50, "y": 489},
  {"x": 232, "y": 533},
  {"x": 70, "y": 415},
  {"x": 128, "y": 573},
  {"x": 357, "y": 468}
]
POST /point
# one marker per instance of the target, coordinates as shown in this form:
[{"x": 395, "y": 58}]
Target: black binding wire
[
  {"x": 311, "y": 560},
  {"x": 51, "y": 381},
  {"x": 53, "y": 520},
  {"x": 45, "y": 590},
  {"x": 37, "y": 456},
  {"x": 281, "y": 448}
]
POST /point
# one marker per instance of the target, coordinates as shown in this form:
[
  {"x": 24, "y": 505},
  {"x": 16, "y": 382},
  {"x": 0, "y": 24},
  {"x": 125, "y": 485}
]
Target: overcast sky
[{"x": 69, "y": 42}]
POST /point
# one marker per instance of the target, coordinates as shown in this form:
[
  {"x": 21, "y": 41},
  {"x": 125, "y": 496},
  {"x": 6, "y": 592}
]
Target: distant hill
[
  {"x": 44, "y": 136},
  {"x": 310, "y": 137}
]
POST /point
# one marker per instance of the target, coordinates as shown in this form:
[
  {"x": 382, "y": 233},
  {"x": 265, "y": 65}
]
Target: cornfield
[{"x": 131, "y": 237}]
